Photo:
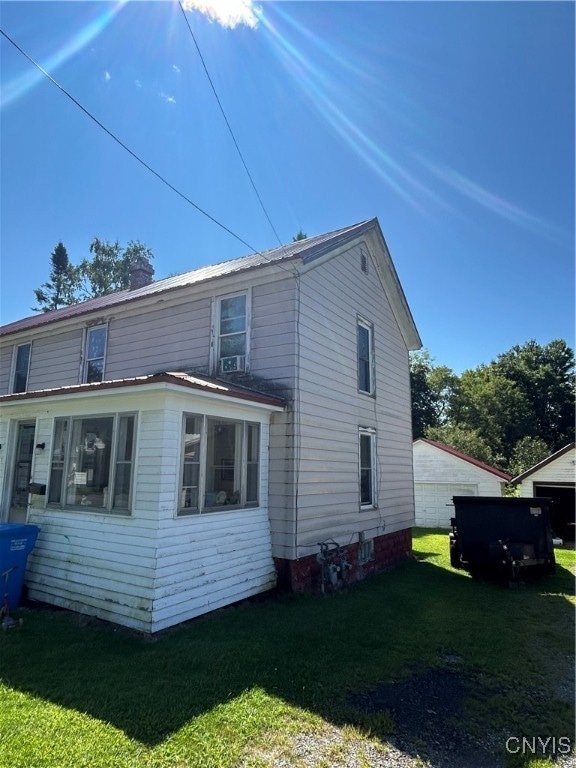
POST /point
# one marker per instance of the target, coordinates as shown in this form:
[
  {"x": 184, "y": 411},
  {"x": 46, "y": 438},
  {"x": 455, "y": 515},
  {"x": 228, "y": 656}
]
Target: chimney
[{"x": 141, "y": 273}]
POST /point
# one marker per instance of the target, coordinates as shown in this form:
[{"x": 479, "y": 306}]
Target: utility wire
[
  {"x": 228, "y": 124},
  {"x": 130, "y": 152}
]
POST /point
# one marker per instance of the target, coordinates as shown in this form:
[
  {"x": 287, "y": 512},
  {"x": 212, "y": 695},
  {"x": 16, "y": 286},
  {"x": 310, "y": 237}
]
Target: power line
[
  {"x": 127, "y": 149},
  {"x": 228, "y": 123}
]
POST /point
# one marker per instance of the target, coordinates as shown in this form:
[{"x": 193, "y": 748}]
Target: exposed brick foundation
[{"x": 305, "y": 575}]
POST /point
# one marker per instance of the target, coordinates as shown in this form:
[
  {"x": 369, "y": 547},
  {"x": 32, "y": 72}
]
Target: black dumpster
[
  {"x": 16, "y": 543},
  {"x": 502, "y": 537}
]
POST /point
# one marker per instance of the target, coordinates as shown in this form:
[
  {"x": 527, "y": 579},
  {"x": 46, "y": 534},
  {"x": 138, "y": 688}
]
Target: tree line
[
  {"x": 510, "y": 413},
  {"x": 106, "y": 271}
]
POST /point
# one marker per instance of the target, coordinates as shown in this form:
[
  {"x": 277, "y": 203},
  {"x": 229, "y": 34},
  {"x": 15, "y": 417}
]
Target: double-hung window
[
  {"x": 220, "y": 464},
  {"x": 232, "y": 330},
  {"x": 95, "y": 354},
  {"x": 21, "y": 368},
  {"x": 367, "y": 468},
  {"x": 92, "y": 463},
  {"x": 365, "y": 333}
]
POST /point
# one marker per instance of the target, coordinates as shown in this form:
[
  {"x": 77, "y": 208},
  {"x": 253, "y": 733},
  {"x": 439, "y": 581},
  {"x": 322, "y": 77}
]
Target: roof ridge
[{"x": 254, "y": 259}]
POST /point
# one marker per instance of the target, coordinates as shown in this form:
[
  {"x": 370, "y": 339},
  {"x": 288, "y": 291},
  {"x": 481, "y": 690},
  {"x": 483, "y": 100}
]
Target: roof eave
[{"x": 204, "y": 386}]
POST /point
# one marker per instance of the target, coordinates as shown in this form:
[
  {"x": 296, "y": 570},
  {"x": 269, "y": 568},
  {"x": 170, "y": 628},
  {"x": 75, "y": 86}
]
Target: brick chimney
[{"x": 141, "y": 273}]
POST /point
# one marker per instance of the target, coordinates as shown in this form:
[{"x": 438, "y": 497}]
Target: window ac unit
[{"x": 232, "y": 364}]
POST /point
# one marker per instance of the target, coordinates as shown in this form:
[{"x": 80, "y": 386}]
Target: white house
[
  {"x": 554, "y": 477},
  {"x": 187, "y": 443},
  {"x": 441, "y": 472}
]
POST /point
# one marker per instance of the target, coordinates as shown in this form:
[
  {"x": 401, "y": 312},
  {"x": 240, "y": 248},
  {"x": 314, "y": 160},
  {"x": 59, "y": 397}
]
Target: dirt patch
[{"x": 426, "y": 710}]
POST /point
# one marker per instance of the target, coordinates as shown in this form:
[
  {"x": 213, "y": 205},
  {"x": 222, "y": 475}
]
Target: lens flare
[
  {"x": 317, "y": 84},
  {"x": 495, "y": 204},
  {"x": 19, "y": 86}
]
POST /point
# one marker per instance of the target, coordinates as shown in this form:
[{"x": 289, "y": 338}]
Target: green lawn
[{"x": 231, "y": 688}]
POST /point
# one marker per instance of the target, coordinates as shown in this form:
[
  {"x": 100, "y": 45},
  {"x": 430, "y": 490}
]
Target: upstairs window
[
  {"x": 232, "y": 323},
  {"x": 367, "y": 468},
  {"x": 92, "y": 463},
  {"x": 95, "y": 354},
  {"x": 21, "y": 368},
  {"x": 365, "y": 357}
]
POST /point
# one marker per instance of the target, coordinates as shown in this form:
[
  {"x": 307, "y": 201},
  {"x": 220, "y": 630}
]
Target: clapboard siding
[
  {"x": 55, "y": 360},
  {"x": 115, "y": 582},
  {"x": 273, "y": 331},
  {"x": 211, "y": 560},
  {"x": 438, "y": 476},
  {"x": 560, "y": 471},
  {"x": 171, "y": 338},
  {"x": 331, "y": 409},
  {"x": 6, "y": 354},
  {"x": 100, "y": 563}
]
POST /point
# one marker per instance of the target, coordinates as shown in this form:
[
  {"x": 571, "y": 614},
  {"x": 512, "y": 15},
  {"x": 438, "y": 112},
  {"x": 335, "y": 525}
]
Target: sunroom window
[
  {"x": 92, "y": 463},
  {"x": 220, "y": 464}
]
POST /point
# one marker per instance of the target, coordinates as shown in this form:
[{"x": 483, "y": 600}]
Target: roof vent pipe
[{"x": 141, "y": 273}]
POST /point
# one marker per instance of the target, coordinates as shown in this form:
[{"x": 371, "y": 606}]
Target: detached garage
[
  {"x": 555, "y": 477},
  {"x": 441, "y": 472}
]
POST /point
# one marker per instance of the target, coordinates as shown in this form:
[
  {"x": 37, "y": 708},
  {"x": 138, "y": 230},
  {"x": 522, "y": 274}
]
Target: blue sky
[{"x": 452, "y": 122}]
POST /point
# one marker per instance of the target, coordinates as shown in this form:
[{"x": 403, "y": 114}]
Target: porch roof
[{"x": 177, "y": 378}]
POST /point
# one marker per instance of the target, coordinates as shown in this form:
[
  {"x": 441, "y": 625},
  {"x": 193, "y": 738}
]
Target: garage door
[{"x": 434, "y": 506}]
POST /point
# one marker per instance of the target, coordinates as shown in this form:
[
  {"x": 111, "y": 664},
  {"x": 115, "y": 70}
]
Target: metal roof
[
  {"x": 214, "y": 386},
  {"x": 307, "y": 250}
]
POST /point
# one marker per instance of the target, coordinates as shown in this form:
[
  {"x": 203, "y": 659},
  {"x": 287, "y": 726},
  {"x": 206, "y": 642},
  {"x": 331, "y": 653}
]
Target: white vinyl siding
[
  {"x": 561, "y": 472},
  {"x": 56, "y": 360},
  {"x": 330, "y": 408}
]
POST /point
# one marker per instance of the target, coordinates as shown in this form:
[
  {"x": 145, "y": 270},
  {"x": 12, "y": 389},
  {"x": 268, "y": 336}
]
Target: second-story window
[
  {"x": 95, "y": 354},
  {"x": 232, "y": 333},
  {"x": 365, "y": 357},
  {"x": 21, "y": 368}
]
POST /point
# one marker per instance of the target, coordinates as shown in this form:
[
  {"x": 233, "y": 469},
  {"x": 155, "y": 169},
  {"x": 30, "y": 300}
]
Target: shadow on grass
[{"x": 317, "y": 653}]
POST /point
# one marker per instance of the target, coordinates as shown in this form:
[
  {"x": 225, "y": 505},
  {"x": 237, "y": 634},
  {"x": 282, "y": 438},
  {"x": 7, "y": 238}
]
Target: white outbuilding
[
  {"x": 441, "y": 472},
  {"x": 554, "y": 477}
]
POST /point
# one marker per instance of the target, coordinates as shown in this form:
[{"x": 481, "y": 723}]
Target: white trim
[
  {"x": 371, "y": 433},
  {"x": 368, "y": 326},
  {"x": 240, "y": 465},
  {"x": 84, "y": 358},
  {"x": 215, "y": 329}
]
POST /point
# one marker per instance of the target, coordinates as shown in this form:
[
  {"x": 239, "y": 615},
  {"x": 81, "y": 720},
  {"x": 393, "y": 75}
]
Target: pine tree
[{"x": 61, "y": 288}]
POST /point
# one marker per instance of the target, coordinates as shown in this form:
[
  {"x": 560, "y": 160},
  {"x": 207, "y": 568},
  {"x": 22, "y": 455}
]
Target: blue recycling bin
[{"x": 16, "y": 543}]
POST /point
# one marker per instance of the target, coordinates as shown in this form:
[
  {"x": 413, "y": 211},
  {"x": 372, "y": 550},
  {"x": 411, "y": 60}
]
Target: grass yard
[{"x": 246, "y": 687}]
